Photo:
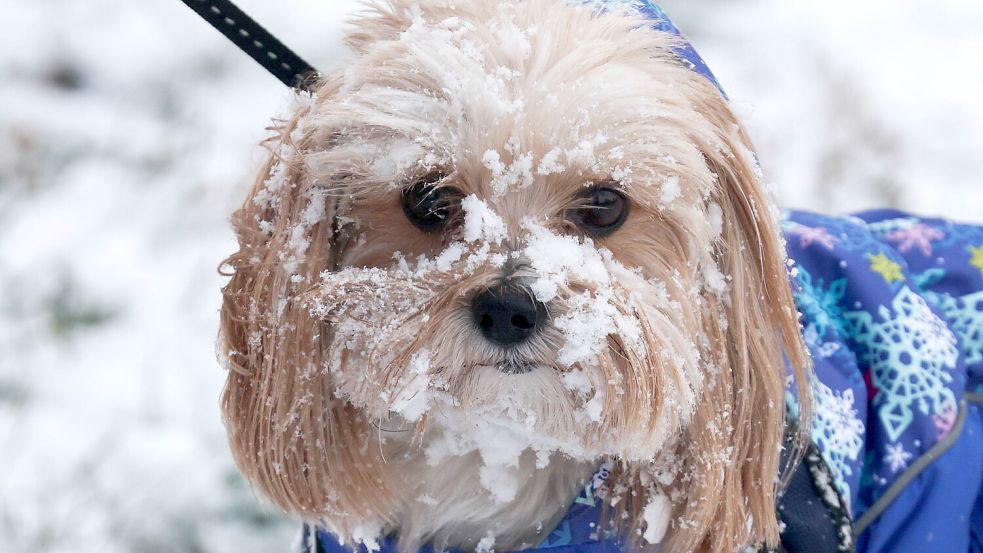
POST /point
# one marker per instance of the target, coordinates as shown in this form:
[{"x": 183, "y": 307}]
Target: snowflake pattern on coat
[
  {"x": 918, "y": 235},
  {"x": 892, "y": 313},
  {"x": 838, "y": 432},
  {"x": 819, "y": 304},
  {"x": 911, "y": 352},
  {"x": 897, "y": 457},
  {"x": 965, "y": 316}
]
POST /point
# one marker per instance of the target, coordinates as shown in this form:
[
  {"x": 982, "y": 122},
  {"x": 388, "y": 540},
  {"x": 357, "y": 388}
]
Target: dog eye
[
  {"x": 428, "y": 206},
  {"x": 600, "y": 210}
]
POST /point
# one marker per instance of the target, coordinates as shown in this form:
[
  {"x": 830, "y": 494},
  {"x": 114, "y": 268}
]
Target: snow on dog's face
[{"x": 512, "y": 226}]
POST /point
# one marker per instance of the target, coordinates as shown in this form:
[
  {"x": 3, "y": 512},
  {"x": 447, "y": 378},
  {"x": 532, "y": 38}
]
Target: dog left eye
[
  {"x": 600, "y": 210},
  {"x": 428, "y": 206}
]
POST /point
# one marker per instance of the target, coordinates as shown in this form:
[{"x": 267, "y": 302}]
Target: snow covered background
[{"x": 128, "y": 132}]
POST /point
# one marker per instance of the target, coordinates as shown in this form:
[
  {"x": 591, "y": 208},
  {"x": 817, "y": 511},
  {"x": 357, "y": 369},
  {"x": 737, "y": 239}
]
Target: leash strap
[{"x": 255, "y": 41}]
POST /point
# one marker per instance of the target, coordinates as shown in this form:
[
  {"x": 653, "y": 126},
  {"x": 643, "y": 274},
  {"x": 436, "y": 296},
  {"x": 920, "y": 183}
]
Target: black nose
[{"x": 506, "y": 314}]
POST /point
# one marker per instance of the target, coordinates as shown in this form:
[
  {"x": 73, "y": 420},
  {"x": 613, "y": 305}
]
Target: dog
[{"x": 514, "y": 249}]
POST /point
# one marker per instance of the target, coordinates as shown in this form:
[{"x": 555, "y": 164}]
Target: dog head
[{"x": 518, "y": 222}]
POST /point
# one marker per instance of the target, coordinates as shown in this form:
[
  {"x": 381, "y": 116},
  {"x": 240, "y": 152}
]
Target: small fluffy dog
[{"x": 512, "y": 242}]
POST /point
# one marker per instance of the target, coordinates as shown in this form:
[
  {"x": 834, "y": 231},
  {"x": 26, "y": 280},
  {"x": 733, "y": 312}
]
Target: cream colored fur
[{"x": 522, "y": 104}]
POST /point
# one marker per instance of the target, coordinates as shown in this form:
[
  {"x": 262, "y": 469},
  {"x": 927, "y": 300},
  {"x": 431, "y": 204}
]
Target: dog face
[{"x": 516, "y": 224}]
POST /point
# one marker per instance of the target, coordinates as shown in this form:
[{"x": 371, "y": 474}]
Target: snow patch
[
  {"x": 518, "y": 174},
  {"x": 414, "y": 393},
  {"x": 656, "y": 516},
  {"x": 486, "y": 544},
  {"x": 554, "y": 257},
  {"x": 550, "y": 163},
  {"x": 716, "y": 217},
  {"x": 481, "y": 223},
  {"x": 669, "y": 192}
]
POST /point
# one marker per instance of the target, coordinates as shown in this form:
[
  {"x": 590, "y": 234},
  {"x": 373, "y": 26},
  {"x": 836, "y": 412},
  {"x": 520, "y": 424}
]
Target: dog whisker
[{"x": 381, "y": 429}]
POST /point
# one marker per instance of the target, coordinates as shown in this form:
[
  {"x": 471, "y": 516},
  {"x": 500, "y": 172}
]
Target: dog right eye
[
  {"x": 602, "y": 210},
  {"x": 428, "y": 206}
]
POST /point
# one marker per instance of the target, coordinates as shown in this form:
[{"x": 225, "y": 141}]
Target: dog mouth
[{"x": 515, "y": 366}]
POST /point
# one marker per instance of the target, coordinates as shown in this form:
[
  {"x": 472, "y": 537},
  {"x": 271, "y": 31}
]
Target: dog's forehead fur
[{"x": 524, "y": 103}]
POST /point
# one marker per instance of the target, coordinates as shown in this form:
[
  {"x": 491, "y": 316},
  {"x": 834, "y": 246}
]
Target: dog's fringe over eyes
[{"x": 362, "y": 395}]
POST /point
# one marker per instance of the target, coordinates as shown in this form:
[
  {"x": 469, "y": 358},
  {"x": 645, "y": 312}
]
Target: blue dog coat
[{"x": 892, "y": 308}]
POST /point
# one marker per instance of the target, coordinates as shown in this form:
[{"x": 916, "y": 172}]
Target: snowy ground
[{"x": 127, "y": 134}]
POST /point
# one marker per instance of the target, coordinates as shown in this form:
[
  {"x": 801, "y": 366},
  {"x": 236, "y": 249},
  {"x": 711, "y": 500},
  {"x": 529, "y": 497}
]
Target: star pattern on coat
[
  {"x": 976, "y": 257},
  {"x": 919, "y": 236},
  {"x": 819, "y": 235},
  {"x": 882, "y": 265}
]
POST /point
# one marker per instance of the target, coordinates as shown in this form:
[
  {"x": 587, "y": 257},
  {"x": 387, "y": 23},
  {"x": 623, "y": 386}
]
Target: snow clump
[
  {"x": 413, "y": 399},
  {"x": 656, "y": 516},
  {"x": 481, "y": 223}
]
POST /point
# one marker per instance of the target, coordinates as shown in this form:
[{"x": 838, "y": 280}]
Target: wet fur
[{"x": 309, "y": 419}]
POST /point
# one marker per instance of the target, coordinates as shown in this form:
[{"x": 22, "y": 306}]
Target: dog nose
[{"x": 507, "y": 315}]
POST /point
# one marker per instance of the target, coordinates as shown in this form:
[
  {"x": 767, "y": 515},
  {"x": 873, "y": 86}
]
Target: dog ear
[
  {"x": 736, "y": 435},
  {"x": 289, "y": 435}
]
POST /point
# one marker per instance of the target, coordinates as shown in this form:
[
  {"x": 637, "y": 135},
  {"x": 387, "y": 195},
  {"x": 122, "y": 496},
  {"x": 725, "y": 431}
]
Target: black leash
[{"x": 256, "y": 41}]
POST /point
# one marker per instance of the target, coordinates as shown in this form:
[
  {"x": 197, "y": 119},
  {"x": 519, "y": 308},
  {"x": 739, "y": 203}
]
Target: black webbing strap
[{"x": 256, "y": 41}]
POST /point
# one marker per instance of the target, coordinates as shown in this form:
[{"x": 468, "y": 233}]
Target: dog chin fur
[
  {"x": 459, "y": 499},
  {"x": 362, "y": 398}
]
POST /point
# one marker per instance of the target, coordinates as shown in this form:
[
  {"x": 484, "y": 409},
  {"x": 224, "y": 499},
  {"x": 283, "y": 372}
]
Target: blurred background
[{"x": 129, "y": 131}]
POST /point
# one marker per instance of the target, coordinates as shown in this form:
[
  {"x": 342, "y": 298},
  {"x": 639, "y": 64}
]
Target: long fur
[{"x": 327, "y": 315}]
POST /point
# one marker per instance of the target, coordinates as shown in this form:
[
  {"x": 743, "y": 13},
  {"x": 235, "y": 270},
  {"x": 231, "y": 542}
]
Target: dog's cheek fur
[
  {"x": 303, "y": 449},
  {"x": 732, "y": 446},
  {"x": 716, "y": 434}
]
